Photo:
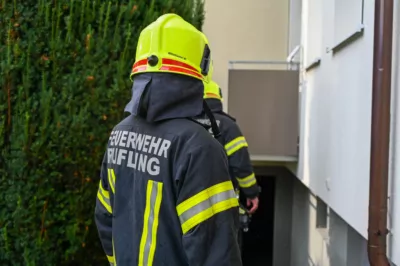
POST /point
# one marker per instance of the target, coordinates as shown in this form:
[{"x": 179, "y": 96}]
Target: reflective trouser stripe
[
  {"x": 247, "y": 181},
  {"x": 115, "y": 258},
  {"x": 150, "y": 223},
  {"x": 206, "y": 204},
  {"x": 104, "y": 198},
  {"x": 235, "y": 145},
  {"x": 111, "y": 260},
  {"x": 111, "y": 179}
]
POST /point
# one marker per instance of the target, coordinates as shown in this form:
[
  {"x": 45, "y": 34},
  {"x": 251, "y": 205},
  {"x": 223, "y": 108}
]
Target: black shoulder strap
[
  {"x": 214, "y": 125},
  {"x": 225, "y": 114}
]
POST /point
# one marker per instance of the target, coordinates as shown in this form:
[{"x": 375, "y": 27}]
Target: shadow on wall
[
  {"x": 345, "y": 246},
  {"x": 320, "y": 237},
  {"x": 300, "y": 226},
  {"x": 258, "y": 241}
]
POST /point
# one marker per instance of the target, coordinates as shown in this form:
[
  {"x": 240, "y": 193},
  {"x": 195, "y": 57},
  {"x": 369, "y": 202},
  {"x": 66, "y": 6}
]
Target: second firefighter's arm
[
  {"x": 236, "y": 148},
  {"x": 207, "y": 208},
  {"x": 103, "y": 213}
]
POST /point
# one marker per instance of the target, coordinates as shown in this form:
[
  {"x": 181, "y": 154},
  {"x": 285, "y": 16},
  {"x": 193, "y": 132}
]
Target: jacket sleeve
[
  {"x": 103, "y": 213},
  {"x": 236, "y": 148},
  {"x": 207, "y": 208}
]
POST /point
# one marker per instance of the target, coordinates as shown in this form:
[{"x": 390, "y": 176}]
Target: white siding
[
  {"x": 336, "y": 113},
  {"x": 313, "y": 33},
  {"x": 394, "y": 207},
  {"x": 348, "y": 17}
]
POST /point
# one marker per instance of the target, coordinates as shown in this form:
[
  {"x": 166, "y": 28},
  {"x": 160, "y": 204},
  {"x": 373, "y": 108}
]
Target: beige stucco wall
[{"x": 245, "y": 30}]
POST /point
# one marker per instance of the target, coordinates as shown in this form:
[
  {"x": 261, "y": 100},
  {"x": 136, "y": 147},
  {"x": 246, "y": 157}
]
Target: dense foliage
[{"x": 64, "y": 82}]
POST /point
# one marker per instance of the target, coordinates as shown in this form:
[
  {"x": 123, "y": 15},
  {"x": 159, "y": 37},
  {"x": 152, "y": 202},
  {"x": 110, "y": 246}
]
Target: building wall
[
  {"x": 335, "y": 133},
  {"x": 331, "y": 242},
  {"x": 394, "y": 197},
  {"x": 295, "y": 8},
  {"x": 252, "y": 30},
  {"x": 335, "y": 121},
  {"x": 283, "y": 218}
]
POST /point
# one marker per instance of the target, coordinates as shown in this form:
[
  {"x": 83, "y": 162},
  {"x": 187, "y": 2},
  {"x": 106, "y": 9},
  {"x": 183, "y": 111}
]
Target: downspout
[{"x": 380, "y": 133}]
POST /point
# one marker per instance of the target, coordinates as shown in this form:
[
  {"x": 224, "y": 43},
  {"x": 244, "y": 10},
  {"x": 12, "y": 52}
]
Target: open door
[{"x": 257, "y": 248}]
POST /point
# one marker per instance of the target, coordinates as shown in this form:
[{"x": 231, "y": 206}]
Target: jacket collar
[{"x": 161, "y": 96}]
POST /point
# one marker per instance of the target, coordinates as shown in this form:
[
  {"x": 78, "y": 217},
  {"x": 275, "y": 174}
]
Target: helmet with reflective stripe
[
  {"x": 172, "y": 45},
  {"x": 212, "y": 91}
]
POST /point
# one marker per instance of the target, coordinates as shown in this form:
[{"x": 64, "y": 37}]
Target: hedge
[{"x": 64, "y": 82}]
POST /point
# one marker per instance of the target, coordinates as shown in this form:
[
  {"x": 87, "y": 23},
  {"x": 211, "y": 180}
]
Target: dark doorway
[{"x": 258, "y": 241}]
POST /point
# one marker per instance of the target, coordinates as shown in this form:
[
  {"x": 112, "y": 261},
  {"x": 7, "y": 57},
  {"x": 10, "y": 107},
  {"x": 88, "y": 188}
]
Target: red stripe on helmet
[
  {"x": 139, "y": 69},
  {"x": 167, "y": 61},
  {"x": 140, "y": 63},
  {"x": 213, "y": 95},
  {"x": 168, "y": 65},
  {"x": 181, "y": 70}
]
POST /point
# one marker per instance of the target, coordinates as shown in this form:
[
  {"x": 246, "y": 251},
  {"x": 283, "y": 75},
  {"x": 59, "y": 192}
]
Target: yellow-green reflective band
[
  {"x": 247, "y": 181},
  {"x": 111, "y": 179},
  {"x": 110, "y": 259},
  {"x": 104, "y": 198},
  {"x": 241, "y": 211},
  {"x": 150, "y": 223},
  {"x": 103, "y": 191},
  {"x": 206, "y": 204},
  {"x": 235, "y": 145},
  {"x": 113, "y": 248}
]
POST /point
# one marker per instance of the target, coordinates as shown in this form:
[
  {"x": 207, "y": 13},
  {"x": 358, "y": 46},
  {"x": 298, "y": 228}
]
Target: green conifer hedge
[{"x": 64, "y": 81}]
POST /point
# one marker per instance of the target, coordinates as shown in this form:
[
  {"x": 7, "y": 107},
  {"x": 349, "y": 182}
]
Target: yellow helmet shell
[
  {"x": 172, "y": 45},
  {"x": 212, "y": 90}
]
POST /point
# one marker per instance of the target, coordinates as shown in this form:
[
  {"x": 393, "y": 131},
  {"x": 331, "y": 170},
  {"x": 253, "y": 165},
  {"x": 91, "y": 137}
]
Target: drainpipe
[{"x": 380, "y": 133}]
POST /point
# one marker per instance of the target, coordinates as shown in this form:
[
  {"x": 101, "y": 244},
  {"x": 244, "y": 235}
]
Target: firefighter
[
  {"x": 165, "y": 196},
  {"x": 235, "y": 145}
]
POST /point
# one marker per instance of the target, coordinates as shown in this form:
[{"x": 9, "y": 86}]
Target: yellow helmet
[
  {"x": 172, "y": 45},
  {"x": 212, "y": 91}
]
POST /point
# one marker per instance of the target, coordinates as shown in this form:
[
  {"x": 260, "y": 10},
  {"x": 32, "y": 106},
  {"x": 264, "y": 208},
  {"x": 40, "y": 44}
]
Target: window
[{"x": 322, "y": 214}]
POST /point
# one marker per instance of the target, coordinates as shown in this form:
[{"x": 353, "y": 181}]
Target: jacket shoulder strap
[{"x": 225, "y": 114}]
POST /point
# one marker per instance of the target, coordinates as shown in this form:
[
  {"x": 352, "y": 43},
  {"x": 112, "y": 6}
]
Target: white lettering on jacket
[{"x": 137, "y": 151}]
